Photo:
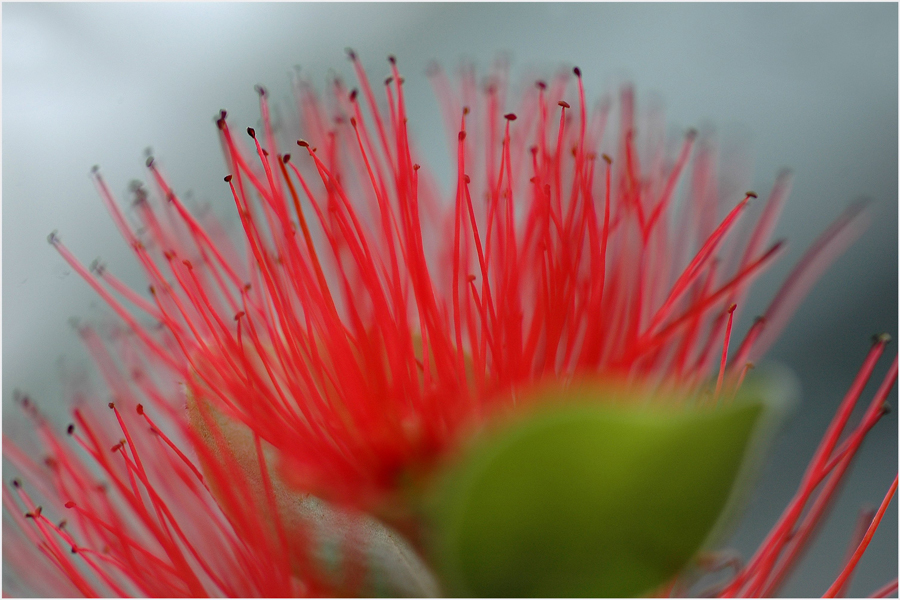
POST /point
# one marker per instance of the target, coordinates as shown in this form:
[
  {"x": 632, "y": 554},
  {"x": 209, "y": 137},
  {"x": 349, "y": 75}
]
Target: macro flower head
[{"x": 284, "y": 406}]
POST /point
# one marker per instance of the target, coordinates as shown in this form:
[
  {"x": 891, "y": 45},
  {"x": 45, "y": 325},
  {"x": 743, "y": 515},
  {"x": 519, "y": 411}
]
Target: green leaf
[{"x": 591, "y": 498}]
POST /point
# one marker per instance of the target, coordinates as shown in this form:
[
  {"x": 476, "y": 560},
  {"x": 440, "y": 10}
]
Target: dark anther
[
  {"x": 222, "y": 114},
  {"x": 260, "y": 90},
  {"x": 350, "y": 53},
  {"x": 286, "y": 158},
  {"x": 416, "y": 166},
  {"x": 303, "y": 143},
  {"x": 74, "y": 550},
  {"x": 466, "y": 178},
  {"x": 228, "y": 178},
  {"x": 69, "y": 504},
  {"x": 70, "y": 429},
  {"x": 188, "y": 264},
  {"x": 140, "y": 409},
  {"x": 353, "y": 93},
  {"x": 16, "y": 484},
  {"x": 541, "y": 85},
  {"x": 510, "y": 116},
  {"x": 149, "y": 162},
  {"x": 577, "y": 72},
  {"x": 111, "y": 405},
  {"x": 607, "y": 158},
  {"x": 252, "y": 132},
  {"x": 752, "y": 195},
  {"x": 388, "y": 80},
  {"x": 471, "y": 278},
  {"x": 392, "y": 59},
  {"x": 238, "y": 316},
  {"x": 353, "y": 121},
  {"x": 462, "y": 135},
  {"x": 265, "y": 152},
  {"x": 564, "y": 104}
]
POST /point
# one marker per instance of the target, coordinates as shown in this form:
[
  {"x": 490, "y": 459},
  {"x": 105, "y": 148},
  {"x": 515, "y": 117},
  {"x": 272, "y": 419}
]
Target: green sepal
[{"x": 592, "y": 496}]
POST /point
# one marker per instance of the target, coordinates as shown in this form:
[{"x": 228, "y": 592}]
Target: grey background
[{"x": 811, "y": 86}]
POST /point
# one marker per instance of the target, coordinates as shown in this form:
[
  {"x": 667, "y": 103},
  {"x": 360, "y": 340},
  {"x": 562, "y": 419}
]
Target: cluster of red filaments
[{"x": 364, "y": 322}]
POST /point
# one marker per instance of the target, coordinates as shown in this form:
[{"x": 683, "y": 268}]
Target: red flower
[{"x": 365, "y": 325}]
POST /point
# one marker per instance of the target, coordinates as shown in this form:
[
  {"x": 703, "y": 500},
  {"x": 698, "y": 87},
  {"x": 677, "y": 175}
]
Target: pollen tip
[
  {"x": 577, "y": 72},
  {"x": 53, "y": 238},
  {"x": 416, "y": 166},
  {"x": 112, "y": 405},
  {"x": 149, "y": 162},
  {"x": 140, "y": 409},
  {"x": 691, "y": 133},
  {"x": 607, "y": 158},
  {"x": 238, "y": 316},
  {"x": 70, "y": 429},
  {"x": 564, "y": 104},
  {"x": 881, "y": 338},
  {"x": 510, "y": 116},
  {"x": 286, "y": 158},
  {"x": 462, "y": 135},
  {"x": 351, "y": 53},
  {"x": 303, "y": 143},
  {"x": 16, "y": 483},
  {"x": 227, "y": 179},
  {"x": 353, "y": 94},
  {"x": 542, "y": 85},
  {"x": 74, "y": 550},
  {"x": 353, "y": 121},
  {"x": 732, "y": 307},
  {"x": 388, "y": 80},
  {"x": 466, "y": 110},
  {"x": 260, "y": 90},
  {"x": 392, "y": 59},
  {"x": 751, "y": 195},
  {"x": 251, "y": 132},
  {"x": 69, "y": 504}
]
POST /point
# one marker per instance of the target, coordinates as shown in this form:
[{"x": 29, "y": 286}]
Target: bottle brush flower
[{"x": 523, "y": 385}]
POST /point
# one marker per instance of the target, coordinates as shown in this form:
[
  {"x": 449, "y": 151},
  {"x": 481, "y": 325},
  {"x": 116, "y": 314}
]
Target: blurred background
[{"x": 812, "y": 87}]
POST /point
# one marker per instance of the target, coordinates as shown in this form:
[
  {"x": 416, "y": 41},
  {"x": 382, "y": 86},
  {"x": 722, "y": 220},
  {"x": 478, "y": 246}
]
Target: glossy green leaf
[{"x": 589, "y": 499}]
